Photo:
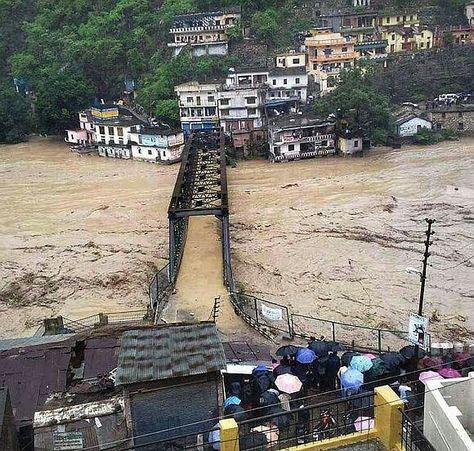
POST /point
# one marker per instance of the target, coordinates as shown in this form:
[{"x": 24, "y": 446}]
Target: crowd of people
[{"x": 277, "y": 404}]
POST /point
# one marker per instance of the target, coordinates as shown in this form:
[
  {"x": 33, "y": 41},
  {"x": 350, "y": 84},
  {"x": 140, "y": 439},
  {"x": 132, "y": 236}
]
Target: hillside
[{"x": 70, "y": 52}]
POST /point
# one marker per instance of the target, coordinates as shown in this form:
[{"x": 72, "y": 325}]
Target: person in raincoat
[{"x": 234, "y": 395}]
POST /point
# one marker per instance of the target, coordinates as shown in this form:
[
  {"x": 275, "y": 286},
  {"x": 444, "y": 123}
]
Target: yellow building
[
  {"x": 394, "y": 19},
  {"x": 328, "y": 53},
  {"x": 407, "y": 38}
]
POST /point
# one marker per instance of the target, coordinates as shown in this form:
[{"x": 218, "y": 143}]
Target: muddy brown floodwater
[{"x": 330, "y": 237}]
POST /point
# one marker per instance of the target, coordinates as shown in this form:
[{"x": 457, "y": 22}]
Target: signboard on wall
[
  {"x": 67, "y": 441},
  {"x": 275, "y": 314},
  {"x": 417, "y": 330}
]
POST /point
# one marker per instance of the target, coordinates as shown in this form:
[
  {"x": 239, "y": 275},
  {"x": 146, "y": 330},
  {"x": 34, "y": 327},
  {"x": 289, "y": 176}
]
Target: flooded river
[{"x": 330, "y": 237}]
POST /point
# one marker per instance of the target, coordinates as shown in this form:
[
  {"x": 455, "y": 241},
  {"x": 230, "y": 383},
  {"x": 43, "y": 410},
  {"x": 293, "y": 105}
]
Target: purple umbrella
[
  {"x": 305, "y": 355},
  {"x": 449, "y": 373}
]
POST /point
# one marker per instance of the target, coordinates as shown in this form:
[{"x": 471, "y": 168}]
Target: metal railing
[
  {"x": 412, "y": 437},
  {"x": 160, "y": 290},
  {"x": 105, "y": 319}
]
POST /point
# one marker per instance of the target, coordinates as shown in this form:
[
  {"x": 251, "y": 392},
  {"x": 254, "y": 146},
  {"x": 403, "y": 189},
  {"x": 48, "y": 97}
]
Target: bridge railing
[{"x": 160, "y": 289}]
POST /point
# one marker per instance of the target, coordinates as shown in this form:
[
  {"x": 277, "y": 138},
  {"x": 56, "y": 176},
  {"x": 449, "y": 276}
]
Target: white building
[
  {"x": 297, "y": 136},
  {"x": 156, "y": 144},
  {"x": 112, "y": 137},
  {"x": 448, "y": 420},
  {"x": 410, "y": 125},
  {"x": 470, "y": 13},
  {"x": 204, "y": 32},
  {"x": 197, "y": 105},
  {"x": 288, "y": 84},
  {"x": 349, "y": 146},
  {"x": 290, "y": 59}
]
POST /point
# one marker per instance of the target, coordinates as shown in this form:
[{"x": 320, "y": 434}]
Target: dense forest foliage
[{"x": 70, "y": 52}]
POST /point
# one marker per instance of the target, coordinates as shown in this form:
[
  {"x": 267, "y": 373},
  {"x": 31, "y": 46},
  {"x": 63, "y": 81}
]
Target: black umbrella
[
  {"x": 347, "y": 357},
  {"x": 287, "y": 350},
  {"x": 320, "y": 348},
  {"x": 254, "y": 441},
  {"x": 236, "y": 412},
  {"x": 408, "y": 352},
  {"x": 268, "y": 398},
  {"x": 392, "y": 361},
  {"x": 334, "y": 346},
  {"x": 282, "y": 369}
]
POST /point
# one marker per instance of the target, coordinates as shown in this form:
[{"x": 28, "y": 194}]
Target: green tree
[
  {"x": 168, "y": 110},
  {"x": 265, "y": 24},
  {"x": 14, "y": 115},
  {"x": 356, "y": 101}
]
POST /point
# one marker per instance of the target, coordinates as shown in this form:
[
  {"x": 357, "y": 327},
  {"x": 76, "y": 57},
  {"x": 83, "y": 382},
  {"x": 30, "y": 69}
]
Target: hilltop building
[
  {"x": 297, "y": 136},
  {"x": 197, "y": 105},
  {"x": 328, "y": 54},
  {"x": 407, "y": 38},
  {"x": 461, "y": 35},
  {"x": 290, "y": 59},
  {"x": 204, "y": 32}
]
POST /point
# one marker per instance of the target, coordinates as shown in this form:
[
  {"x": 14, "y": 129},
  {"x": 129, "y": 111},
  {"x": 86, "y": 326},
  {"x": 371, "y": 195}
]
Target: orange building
[{"x": 328, "y": 54}]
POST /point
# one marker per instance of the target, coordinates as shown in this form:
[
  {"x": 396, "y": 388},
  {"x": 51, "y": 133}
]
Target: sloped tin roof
[{"x": 169, "y": 352}]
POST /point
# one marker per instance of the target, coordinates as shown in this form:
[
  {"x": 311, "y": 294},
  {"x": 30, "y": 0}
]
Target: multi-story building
[
  {"x": 392, "y": 18},
  {"x": 328, "y": 54},
  {"x": 156, "y": 144},
  {"x": 459, "y": 117},
  {"x": 84, "y": 135},
  {"x": 197, "y": 105},
  {"x": 290, "y": 60},
  {"x": 204, "y": 32},
  {"x": 459, "y": 35},
  {"x": 288, "y": 84},
  {"x": 407, "y": 38},
  {"x": 297, "y": 136}
]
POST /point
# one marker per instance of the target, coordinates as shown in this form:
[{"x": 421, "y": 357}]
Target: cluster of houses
[
  {"x": 271, "y": 106},
  {"x": 118, "y": 132}
]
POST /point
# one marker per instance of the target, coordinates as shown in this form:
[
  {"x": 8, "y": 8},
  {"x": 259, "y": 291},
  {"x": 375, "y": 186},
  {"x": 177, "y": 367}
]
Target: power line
[{"x": 455, "y": 266}]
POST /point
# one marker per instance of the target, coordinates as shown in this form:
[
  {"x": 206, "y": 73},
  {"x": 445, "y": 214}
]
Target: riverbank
[{"x": 329, "y": 237}]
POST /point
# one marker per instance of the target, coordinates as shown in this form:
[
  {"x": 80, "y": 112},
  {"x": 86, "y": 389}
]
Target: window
[
  {"x": 296, "y": 60},
  {"x": 101, "y": 129},
  {"x": 120, "y": 131},
  {"x": 297, "y": 80},
  {"x": 404, "y": 18},
  {"x": 285, "y": 81},
  {"x": 315, "y": 66},
  {"x": 460, "y": 114},
  {"x": 189, "y": 100},
  {"x": 356, "y": 143},
  {"x": 198, "y": 100},
  {"x": 398, "y": 19},
  {"x": 149, "y": 151},
  {"x": 224, "y": 102},
  {"x": 344, "y": 49},
  {"x": 443, "y": 115},
  {"x": 211, "y": 99},
  {"x": 274, "y": 82},
  {"x": 291, "y": 147},
  {"x": 139, "y": 150},
  {"x": 251, "y": 100},
  {"x": 422, "y": 34},
  {"x": 461, "y": 126},
  {"x": 111, "y": 130},
  {"x": 347, "y": 64},
  {"x": 324, "y": 143},
  {"x": 393, "y": 37},
  {"x": 225, "y": 113},
  {"x": 411, "y": 17},
  {"x": 388, "y": 19},
  {"x": 252, "y": 111}
]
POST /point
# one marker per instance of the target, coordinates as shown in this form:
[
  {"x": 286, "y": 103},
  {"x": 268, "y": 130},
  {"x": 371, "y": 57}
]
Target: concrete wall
[
  {"x": 110, "y": 133},
  {"x": 410, "y": 128},
  {"x": 114, "y": 152},
  {"x": 291, "y": 60},
  {"x": 452, "y": 120},
  {"x": 449, "y": 413}
]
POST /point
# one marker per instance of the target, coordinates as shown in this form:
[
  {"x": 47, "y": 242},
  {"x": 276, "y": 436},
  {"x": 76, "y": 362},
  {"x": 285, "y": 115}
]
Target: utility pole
[{"x": 426, "y": 255}]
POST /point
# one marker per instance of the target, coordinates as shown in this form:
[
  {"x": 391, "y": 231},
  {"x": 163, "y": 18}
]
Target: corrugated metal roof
[
  {"x": 168, "y": 352},
  {"x": 12, "y": 343}
]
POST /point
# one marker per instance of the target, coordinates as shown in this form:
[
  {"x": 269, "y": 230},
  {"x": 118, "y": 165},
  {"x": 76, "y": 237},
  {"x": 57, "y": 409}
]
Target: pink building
[{"x": 83, "y": 135}]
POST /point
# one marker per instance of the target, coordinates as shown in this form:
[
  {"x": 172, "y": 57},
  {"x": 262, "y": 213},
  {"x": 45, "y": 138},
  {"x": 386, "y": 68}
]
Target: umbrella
[
  {"x": 305, "y": 355},
  {"x": 347, "y": 357},
  {"x": 449, "y": 373},
  {"x": 392, "y": 361},
  {"x": 268, "y": 398},
  {"x": 253, "y": 440},
  {"x": 352, "y": 379},
  {"x": 281, "y": 369},
  {"x": 334, "y": 346},
  {"x": 361, "y": 363},
  {"x": 232, "y": 400},
  {"x": 363, "y": 424},
  {"x": 370, "y": 356},
  {"x": 461, "y": 358},
  {"x": 426, "y": 376},
  {"x": 288, "y": 383},
  {"x": 378, "y": 366},
  {"x": 287, "y": 350},
  {"x": 320, "y": 348},
  {"x": 432, "y": 362},
  {"x": 236, "y": 412},
  {"x": 408, "y": 352}
]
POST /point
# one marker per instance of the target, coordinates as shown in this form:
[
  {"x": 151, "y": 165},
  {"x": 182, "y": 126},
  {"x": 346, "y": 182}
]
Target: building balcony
[
  {"x": 198, "y": 29},
  {"x": 347, "y": 56},
  {"x": 304, "y": 139},
  {"x": 371, "y": 45},
  {"x": 213, "y": 118}
]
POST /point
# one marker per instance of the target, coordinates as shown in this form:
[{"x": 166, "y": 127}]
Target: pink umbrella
[
  {"x": 432, "y": 362},
  {"x": 370, "y": 356},
  {"x": 449, "y": 373},
  {"x": 363, "y": 424},
  {"x": 426, "y": 376},
  {"x": 288, "y": 383}
]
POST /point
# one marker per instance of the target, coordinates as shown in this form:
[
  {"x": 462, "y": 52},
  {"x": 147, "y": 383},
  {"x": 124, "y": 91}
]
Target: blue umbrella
[
  {"x": 305, "y": 355},
  {"x": 352, "y": 379},
  {"x": 361, "y": 363}
]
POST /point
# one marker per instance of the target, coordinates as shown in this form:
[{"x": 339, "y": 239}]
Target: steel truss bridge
[{"x": 200, "y": 190}]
